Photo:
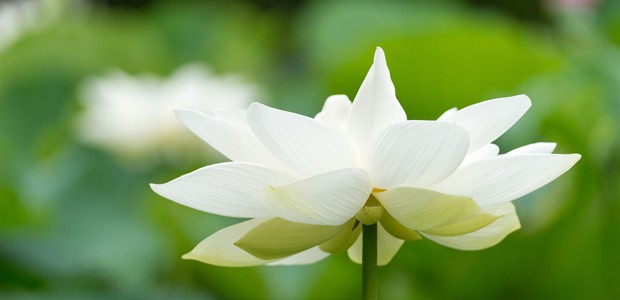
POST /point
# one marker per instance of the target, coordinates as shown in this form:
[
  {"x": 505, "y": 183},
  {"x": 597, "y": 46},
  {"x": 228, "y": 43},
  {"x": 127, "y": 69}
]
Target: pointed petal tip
[
  {"x": 254, "y": 104},
  {"x": 155, "y": 187},
  {"x": 182, "y": 112},
  {"x": 570, "y": 159},
  {"x": 256, "y": 107},
  {"x": 456, "y": 126},
  {"x": 161, "y": 189},
  {"x": 338, "y": 97},
  {"x": 379, "y": 55},
  {"x": 187, "y": 115},
  {"x": 179, "y": 113},
  {"x": 523, "y": 98},
  {"x": 447, "y": 113}
]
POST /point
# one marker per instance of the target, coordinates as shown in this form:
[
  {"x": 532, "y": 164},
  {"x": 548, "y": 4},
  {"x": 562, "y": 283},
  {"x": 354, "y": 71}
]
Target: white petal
[
  {"x": 487, "y": 120},
  {"x": 335, "y": 111},
  {"x": 447, "y": 113},
  {"x": 416, "y": 153},
  {"x": 488, "y": 150},
  {"x": 234, "y": 116},
  {"x": 309, "y": 256},
  {"x": 375, "y": 106},
  {"x": 232, "y": 141},
  {"x": 504, "y": 178},
  {"x": 327, "y": 199},
  {"x": 219, "y": 249},
  {"x": 226, "y": 189},
  {"x": 387, "y": 247},
  {"x": 304, "y": 144},
  {"x": 486, "y": 237},
  {"x": 540, "y": 148}
]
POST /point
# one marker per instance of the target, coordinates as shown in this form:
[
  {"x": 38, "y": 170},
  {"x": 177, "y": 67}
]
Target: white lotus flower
[
  {"x": 306, "y": 184},
  {"x": 134, "y": 114}
]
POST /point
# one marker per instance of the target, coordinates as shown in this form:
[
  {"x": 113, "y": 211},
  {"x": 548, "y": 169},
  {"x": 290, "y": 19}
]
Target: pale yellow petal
[
  {"x": 396, "y": 229},
  {"x": 486, "y": 237},
  {"x": 421, "y": 209},
  {"x": 278, "y": 238},
  {"x": 219, "y": 248},
  {"x": 466, "y": 226},
  {"x": 344, "y": 239}
]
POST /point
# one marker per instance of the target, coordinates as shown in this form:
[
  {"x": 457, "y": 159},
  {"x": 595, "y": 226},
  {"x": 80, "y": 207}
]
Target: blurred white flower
[
  {"x": 133, "y": 115},
  {"x": 22, "y": 16},
  {"x": 308, "y": 184}
]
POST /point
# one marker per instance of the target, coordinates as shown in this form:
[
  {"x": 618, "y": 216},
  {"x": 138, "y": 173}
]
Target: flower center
[{"x": 372, "y": 211}]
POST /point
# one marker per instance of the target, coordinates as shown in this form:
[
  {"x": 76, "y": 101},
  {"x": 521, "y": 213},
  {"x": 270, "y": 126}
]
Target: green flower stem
[{"x": 369, "y": 262}]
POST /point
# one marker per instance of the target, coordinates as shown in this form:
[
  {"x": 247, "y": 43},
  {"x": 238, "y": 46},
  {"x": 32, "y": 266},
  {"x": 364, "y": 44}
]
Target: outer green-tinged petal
[
  {"x": 536, "y": 148},
  {"x": 465, "y": 226},
  {"x": 309, "y": 256},
  {"x": 487, "y": 120},
  {"x": 487, "y": 236},
  {"x": 335, "y": 111},
  {"x": 278, "y": 238},
  {"x": 344, "y": 238},
  {"x": 417, "y": 153},
  {"x": 233, "y": 141},
  {"x": 387, "y": 247},
  {"x": 331, "y": 198},
  {"x": 375, "y": 106},
  {"x": 504, "y": 178},
  {"x": 304, "y": 144},
  {"x": 227, "y": 189},
  {"x": 396, "y": 229},
  {"x": 219, "y": 249},
  {"x": 421, "y": 209}
]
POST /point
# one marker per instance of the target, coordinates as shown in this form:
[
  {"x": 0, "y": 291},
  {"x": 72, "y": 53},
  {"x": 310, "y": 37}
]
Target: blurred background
[{"x": 87, "y": 90}]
